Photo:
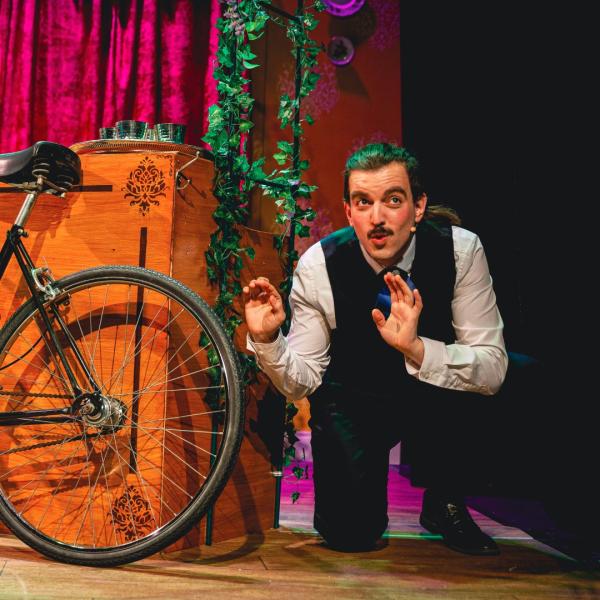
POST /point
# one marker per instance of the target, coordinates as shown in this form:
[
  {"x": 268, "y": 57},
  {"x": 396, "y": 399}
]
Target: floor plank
[
  {"x": 293, "y": 562},
  {"x": 282, "y": 563}
]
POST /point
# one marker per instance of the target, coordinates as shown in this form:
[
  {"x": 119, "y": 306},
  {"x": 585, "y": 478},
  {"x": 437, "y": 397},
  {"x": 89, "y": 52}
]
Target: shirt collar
[{"x": 405, "y": 263}]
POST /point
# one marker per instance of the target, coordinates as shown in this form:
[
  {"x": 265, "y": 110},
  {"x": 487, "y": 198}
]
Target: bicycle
[{"x": 121, "y": 410}]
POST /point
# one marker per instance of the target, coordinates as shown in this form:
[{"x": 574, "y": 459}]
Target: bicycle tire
[{"x": 137, "y": 487}]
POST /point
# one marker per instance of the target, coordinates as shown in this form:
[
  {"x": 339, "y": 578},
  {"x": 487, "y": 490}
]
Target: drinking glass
[
  {"x": 108, "y": 133},
  {"x": 170, "y": 132},
  {"x": 131, "y": 130}
]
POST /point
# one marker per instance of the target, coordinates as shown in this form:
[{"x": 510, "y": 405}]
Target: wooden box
[{"x": 150, "y": 204}]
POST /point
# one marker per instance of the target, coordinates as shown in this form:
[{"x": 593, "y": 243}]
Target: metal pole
[{"x": 291, "y": 240}]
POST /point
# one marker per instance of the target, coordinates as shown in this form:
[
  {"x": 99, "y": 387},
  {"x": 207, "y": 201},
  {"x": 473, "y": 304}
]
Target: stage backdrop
[
  {"x": 68, "y": 67},
  {"x": 352, "y": 105}
]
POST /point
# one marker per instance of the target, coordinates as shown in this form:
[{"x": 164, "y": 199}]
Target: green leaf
[
  {"x": 309, "y": 119},
  {"x": 285, "y": 146},
  {"x": 280, "y": 157},
  {"x": 305, "y": 190},
  {"x": 249, "y": 65},
  {"x": 310, "y": 22},
  {"x": 256, "y": 171},
  {"x": 224, "y": 57},
  {"x": 246, "y": 126},
  {"x": 241, "y": 163},
  {"x": 245, "y": 101},
  {"x": 297, "y": 129},
  {"x": 295, "y": 496},
  {"x": 246, "y": 54},
  {"x": 313, "y": 77},
  {"x": 301, "y": 230}
]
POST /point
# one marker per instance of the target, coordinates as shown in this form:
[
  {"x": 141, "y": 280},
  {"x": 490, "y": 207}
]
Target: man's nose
[{"x": 377, "y": 213}]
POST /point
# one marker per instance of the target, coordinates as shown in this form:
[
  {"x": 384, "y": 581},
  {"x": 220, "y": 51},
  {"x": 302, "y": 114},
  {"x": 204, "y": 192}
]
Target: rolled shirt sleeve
[
  {"x": 296, "y": 364},
  {"x": 477, "y": 361}
]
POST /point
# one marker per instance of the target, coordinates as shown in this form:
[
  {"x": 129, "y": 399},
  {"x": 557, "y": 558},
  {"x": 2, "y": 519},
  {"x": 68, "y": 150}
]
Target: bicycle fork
[{"x": 43, "y": 290}]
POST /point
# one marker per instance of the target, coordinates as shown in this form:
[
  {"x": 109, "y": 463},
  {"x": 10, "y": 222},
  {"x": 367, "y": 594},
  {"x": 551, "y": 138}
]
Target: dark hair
[{"x": 374, "y": 156}]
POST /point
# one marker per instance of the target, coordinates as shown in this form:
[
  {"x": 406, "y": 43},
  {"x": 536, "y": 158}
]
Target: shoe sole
[{"x": 434, "y": 528}]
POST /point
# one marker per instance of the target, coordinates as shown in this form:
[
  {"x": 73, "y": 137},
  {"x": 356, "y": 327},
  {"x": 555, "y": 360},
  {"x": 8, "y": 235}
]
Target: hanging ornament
[
  {"x": 343, "y": 8},
  {"x": 340, "y": 50}
]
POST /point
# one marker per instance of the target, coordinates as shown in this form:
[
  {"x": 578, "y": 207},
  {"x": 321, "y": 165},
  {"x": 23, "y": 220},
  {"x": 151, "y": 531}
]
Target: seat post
[{"x": 26, "y": 209}]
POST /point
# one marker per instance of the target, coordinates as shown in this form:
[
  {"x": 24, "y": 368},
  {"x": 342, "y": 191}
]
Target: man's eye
[
  {"x": 395, "y": 200},
  {"x": 362, "y": 202}
]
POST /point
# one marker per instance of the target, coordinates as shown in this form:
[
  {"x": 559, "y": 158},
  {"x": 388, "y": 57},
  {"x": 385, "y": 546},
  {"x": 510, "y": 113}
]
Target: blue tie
[{"x": 384, "y": 301}]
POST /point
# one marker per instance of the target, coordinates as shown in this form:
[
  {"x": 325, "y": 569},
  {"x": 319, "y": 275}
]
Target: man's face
[{"x": 382, "y": 211}]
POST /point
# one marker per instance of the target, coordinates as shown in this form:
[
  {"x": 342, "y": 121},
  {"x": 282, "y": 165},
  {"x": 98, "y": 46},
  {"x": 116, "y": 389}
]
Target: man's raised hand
[
  {"x": 399, "y": 330},
  {"x": 263, "y": 309}
]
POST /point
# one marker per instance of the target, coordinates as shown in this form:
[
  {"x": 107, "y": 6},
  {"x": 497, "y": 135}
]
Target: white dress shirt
[{"x": 476, "y": 362}]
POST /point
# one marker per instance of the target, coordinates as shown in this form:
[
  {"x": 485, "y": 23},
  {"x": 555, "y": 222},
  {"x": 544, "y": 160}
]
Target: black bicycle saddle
[{"x": 54, "y": 162}]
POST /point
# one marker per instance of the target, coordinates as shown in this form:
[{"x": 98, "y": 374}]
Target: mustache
[{"x": 379, "y": 231}]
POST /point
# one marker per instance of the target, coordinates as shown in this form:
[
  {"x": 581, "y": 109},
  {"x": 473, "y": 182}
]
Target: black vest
[
  {"x": 360, "y": 360},
  {"x": 366, "y": 382}
]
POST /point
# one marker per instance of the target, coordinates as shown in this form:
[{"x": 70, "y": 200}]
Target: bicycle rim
[{"x": 136, "y": 474}]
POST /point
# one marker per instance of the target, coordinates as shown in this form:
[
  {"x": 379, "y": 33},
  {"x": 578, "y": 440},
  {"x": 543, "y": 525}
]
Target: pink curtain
[{"x": 68, "y": 67}]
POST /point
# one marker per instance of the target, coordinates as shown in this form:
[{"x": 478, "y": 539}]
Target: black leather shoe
[{"x": 450, "y": 518}]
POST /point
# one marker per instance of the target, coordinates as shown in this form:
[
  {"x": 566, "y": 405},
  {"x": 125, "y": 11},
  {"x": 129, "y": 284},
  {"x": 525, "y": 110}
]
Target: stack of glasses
[{"x": 140, "y": 130}]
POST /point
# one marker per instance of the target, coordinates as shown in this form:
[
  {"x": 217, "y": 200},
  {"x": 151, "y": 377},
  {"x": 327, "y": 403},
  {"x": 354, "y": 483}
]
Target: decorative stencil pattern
[
  {"x": 377, "y": 137},
  {"x": 387, "y": 16},
  {"x": 132, "y": 515},
  {"x": 324, "y": 97},
  {"x": 146, "y": 183}
]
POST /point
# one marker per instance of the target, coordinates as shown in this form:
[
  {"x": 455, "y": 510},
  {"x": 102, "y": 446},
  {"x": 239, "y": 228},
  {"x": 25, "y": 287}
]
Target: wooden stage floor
[{"x": 293, "y": 563}]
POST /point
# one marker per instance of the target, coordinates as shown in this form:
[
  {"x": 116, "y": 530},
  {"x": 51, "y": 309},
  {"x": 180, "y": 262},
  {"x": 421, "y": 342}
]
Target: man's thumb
[{"x": 378, "y": 318}]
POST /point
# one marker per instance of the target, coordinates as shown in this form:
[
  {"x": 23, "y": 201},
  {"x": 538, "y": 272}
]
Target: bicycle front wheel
[{"x": 141, "y": 456}]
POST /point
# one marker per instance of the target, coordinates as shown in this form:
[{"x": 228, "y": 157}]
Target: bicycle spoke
[
  {"x": 188, "y": 465},
  {"x": 135, "y": 463}
]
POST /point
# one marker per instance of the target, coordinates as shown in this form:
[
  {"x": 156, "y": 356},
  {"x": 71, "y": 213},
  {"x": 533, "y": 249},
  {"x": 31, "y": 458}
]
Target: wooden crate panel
[{"x": 132, "y": 210}]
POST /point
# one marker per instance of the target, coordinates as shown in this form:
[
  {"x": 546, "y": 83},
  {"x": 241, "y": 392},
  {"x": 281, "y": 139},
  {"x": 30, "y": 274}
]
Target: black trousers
[
  {"x": 350, "y": 448},
  {"x": 352, "y": 434}
]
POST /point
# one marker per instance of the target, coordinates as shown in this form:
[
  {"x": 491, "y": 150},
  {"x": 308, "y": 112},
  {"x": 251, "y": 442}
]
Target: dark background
[
  {"x": 480, "y": 112},
  {"x": 494, "y": 106}
]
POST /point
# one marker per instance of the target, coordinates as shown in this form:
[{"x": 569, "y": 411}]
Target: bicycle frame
[{"x": 41, "y": 293}]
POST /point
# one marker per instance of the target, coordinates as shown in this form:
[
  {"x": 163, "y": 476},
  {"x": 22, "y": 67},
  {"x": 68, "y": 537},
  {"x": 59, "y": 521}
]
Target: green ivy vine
[{"x": 230, "y": 122}]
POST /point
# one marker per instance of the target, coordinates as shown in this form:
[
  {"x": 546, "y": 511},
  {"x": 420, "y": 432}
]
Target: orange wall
[{"x": 352, "y": 105}]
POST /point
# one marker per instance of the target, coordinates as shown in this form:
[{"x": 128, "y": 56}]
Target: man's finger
[
  {"x": 393, "y": 287},
  {"x": 418, "y": 299},
  {"x": 274, "y": 299},
  {"x": 264, "y": 284},
  {"x": 405, "y": 290}
]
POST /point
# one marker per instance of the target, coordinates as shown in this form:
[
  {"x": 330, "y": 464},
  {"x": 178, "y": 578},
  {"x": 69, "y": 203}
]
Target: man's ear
[
  {"x": 420, "y": 205},
  {"x": 348, "y": 211}
]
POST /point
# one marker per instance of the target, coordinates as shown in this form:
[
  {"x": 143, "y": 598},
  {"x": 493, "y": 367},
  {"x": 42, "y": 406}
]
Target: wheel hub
[{"x": 103, "y": 412}]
